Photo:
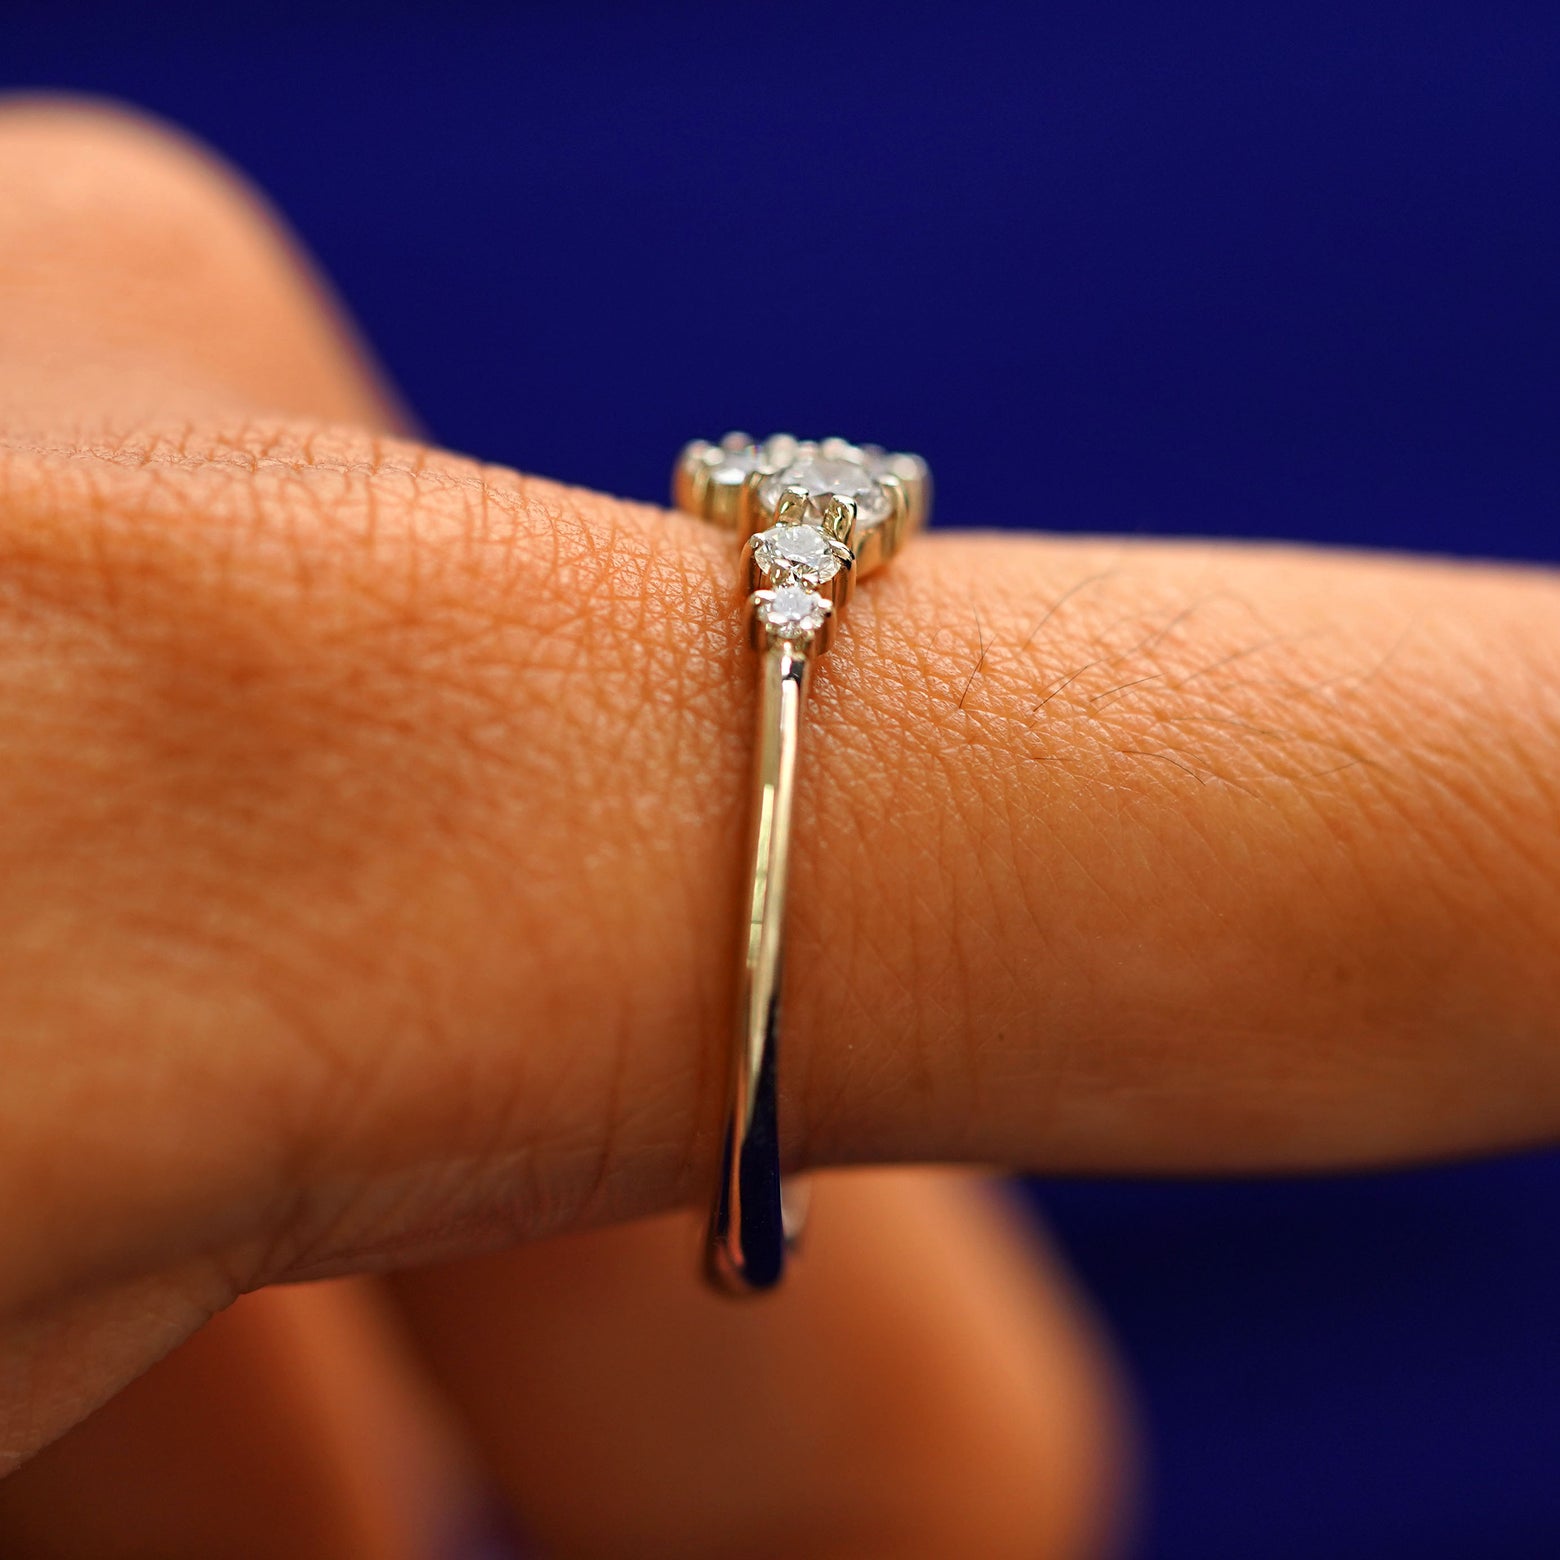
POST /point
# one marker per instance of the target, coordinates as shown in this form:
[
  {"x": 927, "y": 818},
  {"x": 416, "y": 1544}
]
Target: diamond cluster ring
[{"x": 812, "y": 518}]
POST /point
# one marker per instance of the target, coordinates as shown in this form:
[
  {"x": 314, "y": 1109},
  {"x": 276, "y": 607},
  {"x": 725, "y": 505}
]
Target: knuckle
[
  {"x": 140, "y": 270},
  {"x": 77, "y": 167}
]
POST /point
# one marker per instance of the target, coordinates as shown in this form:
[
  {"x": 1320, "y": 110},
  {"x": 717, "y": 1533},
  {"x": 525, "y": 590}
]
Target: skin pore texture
[{"x": 370, "y": 830}]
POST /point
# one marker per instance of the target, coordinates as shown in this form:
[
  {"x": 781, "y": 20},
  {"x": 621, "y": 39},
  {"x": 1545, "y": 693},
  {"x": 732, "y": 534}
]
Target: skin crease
[{"x": 369, "y": 838}]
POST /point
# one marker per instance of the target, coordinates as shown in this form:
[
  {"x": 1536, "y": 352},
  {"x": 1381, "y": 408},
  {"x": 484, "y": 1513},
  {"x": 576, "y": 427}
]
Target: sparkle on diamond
[
  {"x": 730, "y": 467},
  {"x": 798, "y": 553},
  {"x": 793, "y": 612},
  {"x": 819, "y": 475}
]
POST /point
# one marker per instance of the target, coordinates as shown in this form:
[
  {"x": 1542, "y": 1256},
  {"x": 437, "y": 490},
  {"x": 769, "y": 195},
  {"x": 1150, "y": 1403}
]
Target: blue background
[{"x": 1206, "y": 268}]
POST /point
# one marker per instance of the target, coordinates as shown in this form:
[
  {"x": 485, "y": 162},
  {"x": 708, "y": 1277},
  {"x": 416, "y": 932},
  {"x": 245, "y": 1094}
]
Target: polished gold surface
[{"x": 813, "y": 518}]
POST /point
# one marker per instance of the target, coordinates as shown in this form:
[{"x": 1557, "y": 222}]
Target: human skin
[{"x": 366, "y": 841}]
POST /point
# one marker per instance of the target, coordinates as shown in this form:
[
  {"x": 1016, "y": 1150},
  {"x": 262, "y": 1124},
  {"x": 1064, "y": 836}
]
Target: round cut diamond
[
  {"x": 819, "y": 475},
  {"x": 799, "y": 553},
  {"x": 792, "y": 612},
  {"x": 730, "y": 467}
]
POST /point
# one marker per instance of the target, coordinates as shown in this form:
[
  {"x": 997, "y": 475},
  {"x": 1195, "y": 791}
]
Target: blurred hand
[{"x": 367, "y": 862}]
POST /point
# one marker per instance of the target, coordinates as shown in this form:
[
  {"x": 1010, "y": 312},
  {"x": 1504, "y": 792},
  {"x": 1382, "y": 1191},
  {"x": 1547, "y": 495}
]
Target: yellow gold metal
[
  {"x": 748, "y": 1233},
  {"x": 812, "y": 517}
]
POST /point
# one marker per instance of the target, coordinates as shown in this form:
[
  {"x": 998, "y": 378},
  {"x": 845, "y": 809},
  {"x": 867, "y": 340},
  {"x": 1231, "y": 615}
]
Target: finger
[
  {"x": 138, "y": 277},
  {"x": 292, "y": 1425},
  {"x": 421, "y": 785},
  {"x": 928, "y": 1387},
  {"x": 453, "y": 764}
]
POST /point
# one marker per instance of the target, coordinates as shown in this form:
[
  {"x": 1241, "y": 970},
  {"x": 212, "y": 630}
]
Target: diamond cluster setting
[
  {"x": 822, "y": 477},
  {"x": 818, "y": 469},
  {"x": 816, "y": 512}
]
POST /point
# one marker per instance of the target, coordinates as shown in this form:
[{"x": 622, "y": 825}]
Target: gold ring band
[{"x": 812, "y": 518}]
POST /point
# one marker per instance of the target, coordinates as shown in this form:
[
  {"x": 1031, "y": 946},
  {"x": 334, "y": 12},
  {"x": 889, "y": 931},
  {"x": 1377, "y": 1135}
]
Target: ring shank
[{"x": 750, "y": 1225}]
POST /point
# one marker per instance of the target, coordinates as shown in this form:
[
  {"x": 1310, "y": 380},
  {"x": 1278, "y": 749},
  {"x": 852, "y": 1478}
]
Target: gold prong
[
  {"x": 723, "y": 503},
  {"x": 844, "y": 582},
  {"x": 839, "y": 516},
  {"x": 911, "y": 473},
  {"x": 745, "y": 517},
  {"x": 751, "y": 573},
  {"x": 792, "y": 508},
  {"x": 870, "y": 555},
  {"x": 896, "y": 525},
  {"x": 688, "y": 477}
]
